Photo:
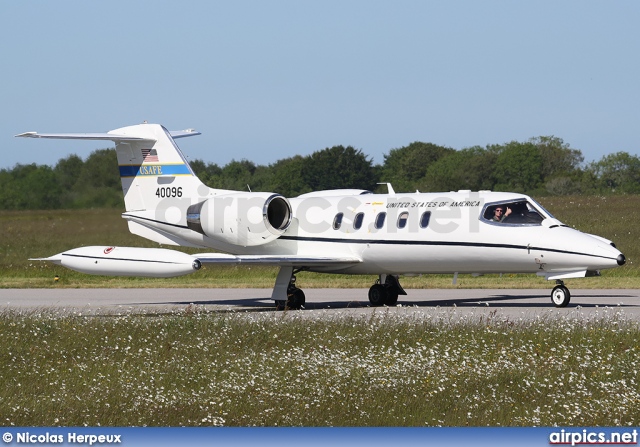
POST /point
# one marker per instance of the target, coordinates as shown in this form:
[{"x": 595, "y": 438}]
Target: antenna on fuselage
[{"x": 389, "y": 187}]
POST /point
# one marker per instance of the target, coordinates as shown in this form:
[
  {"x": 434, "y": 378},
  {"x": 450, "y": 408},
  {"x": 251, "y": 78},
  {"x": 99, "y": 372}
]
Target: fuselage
[{"x": 432, "y": 233}]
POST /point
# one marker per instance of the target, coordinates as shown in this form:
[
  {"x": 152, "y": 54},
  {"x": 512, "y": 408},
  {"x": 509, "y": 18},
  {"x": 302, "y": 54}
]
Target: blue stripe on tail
[{"x": 148, "y": 170}]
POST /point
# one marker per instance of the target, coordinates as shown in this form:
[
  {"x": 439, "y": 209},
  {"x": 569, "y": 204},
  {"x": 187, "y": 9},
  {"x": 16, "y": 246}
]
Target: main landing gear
[
  {"x": 385, "y": 291},
  {"x": 286, "y": 287},
  {"x": 560, "y": 295},
  {"x": 287, "y": 295}
]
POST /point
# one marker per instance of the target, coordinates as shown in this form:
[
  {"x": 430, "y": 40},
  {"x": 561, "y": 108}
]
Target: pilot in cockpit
[{"x": 500, "y": 212}]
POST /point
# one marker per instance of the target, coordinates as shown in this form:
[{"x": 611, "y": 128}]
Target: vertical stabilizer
[
  {"x": 157, "y": 181},
  {"x": 152, "y": 168}
]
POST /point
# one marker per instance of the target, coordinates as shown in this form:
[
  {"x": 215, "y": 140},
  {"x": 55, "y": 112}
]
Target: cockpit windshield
[
  {"x": 540, "y": 207},
  {"x": 518, "y": 212}
]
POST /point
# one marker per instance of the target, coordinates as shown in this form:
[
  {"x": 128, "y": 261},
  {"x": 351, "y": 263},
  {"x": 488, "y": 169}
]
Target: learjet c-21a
[{"x": 336, "y": 231}]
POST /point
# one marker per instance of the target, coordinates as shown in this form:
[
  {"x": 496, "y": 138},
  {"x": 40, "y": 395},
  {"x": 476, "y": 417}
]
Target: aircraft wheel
[
  {"x": 378, "y": 295},
  {"x": 560, "y": 296},
  {"x": 295, "y": 299},
  {"x": 280, "y": 304},
  {"x": 392, "y": 296}
]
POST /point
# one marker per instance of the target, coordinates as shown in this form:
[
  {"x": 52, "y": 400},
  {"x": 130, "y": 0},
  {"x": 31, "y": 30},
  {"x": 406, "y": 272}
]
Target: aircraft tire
[
  {"x": 280, "y": 304},
  {"x": 392, "y": 296},
  {"x": 560, "y": 296},
  {"x": 295, "y": 299},
  {"x": 378, "y": 295}
]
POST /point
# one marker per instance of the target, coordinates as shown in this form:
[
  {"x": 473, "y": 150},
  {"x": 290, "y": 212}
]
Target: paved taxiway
[{"x": 511, "y": 303}]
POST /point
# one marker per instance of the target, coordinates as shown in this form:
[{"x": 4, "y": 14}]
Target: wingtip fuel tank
[{"x": 126, "y": 261}]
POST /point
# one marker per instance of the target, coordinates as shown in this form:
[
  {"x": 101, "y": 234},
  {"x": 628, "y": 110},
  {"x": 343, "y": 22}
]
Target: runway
[{"x": 508, "y": 303}]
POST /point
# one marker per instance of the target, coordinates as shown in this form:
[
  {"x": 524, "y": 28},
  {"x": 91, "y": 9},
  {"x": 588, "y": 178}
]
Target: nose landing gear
[{"x": 560, "y": 295}]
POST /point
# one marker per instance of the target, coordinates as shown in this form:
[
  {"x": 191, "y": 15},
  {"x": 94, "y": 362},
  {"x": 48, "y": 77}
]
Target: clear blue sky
[{"x": 265, "y": 80}]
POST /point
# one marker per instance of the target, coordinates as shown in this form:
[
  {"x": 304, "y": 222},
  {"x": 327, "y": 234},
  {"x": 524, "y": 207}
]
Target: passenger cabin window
[
  {"x": 379, "y": 223},
  {"x": 424, "y": 219},
  {"x": 357, "y": 222},
  {"x": 337, "y": 221},
  {"x": 520, "y": 212},
  {"x": 402, "y": 219}
]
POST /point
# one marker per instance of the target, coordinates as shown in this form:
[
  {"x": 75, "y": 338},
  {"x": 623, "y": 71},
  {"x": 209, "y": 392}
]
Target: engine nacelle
[{"x": 244, "y": 219}]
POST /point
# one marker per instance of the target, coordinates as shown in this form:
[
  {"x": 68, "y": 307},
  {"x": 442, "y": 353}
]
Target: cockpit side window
[{"x": 520, "y": 212}]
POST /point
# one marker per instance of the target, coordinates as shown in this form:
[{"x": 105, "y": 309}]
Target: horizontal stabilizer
[
  {"x": 80, "y": 136},
  {"x": 183, "y": 133},
  {"x": 103, "y": 136}
]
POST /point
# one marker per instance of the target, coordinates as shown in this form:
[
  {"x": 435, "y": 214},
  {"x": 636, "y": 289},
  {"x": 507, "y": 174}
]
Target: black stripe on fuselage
[{"x": 435, "y": 244}]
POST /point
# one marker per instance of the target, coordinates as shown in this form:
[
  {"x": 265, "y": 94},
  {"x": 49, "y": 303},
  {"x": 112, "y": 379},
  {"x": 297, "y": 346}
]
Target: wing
[
  {"x": 275, "y": 260},
  {"x": 162, "y": 262}
]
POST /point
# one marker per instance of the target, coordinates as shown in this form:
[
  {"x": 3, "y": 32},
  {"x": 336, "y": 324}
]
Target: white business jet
[{"x": 336, "y": 231}]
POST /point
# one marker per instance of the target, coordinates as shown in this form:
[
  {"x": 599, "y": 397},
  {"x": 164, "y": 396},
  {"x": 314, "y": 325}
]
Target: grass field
[
  {"x": 27, "y": 234},
  {"x": 279, "y": 369}
]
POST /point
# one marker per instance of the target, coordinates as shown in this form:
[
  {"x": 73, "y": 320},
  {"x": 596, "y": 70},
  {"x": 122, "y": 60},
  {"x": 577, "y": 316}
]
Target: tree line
[{"x": 541, "y": 166}]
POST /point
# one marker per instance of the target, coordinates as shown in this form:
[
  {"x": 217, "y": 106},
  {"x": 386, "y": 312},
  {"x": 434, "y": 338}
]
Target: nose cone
[{"x": 621, "y": 259}]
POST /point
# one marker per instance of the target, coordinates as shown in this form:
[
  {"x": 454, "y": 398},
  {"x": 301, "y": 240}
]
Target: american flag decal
[{"x": 149, "y": 155}]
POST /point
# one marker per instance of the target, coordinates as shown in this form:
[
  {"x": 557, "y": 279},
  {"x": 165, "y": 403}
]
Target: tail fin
[
  {"x": 152, "y": 167},
  {"x": 157, "y": 181}
]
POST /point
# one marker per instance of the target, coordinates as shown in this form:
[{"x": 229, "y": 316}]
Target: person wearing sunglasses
[{"x": 500, "y": 212}]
